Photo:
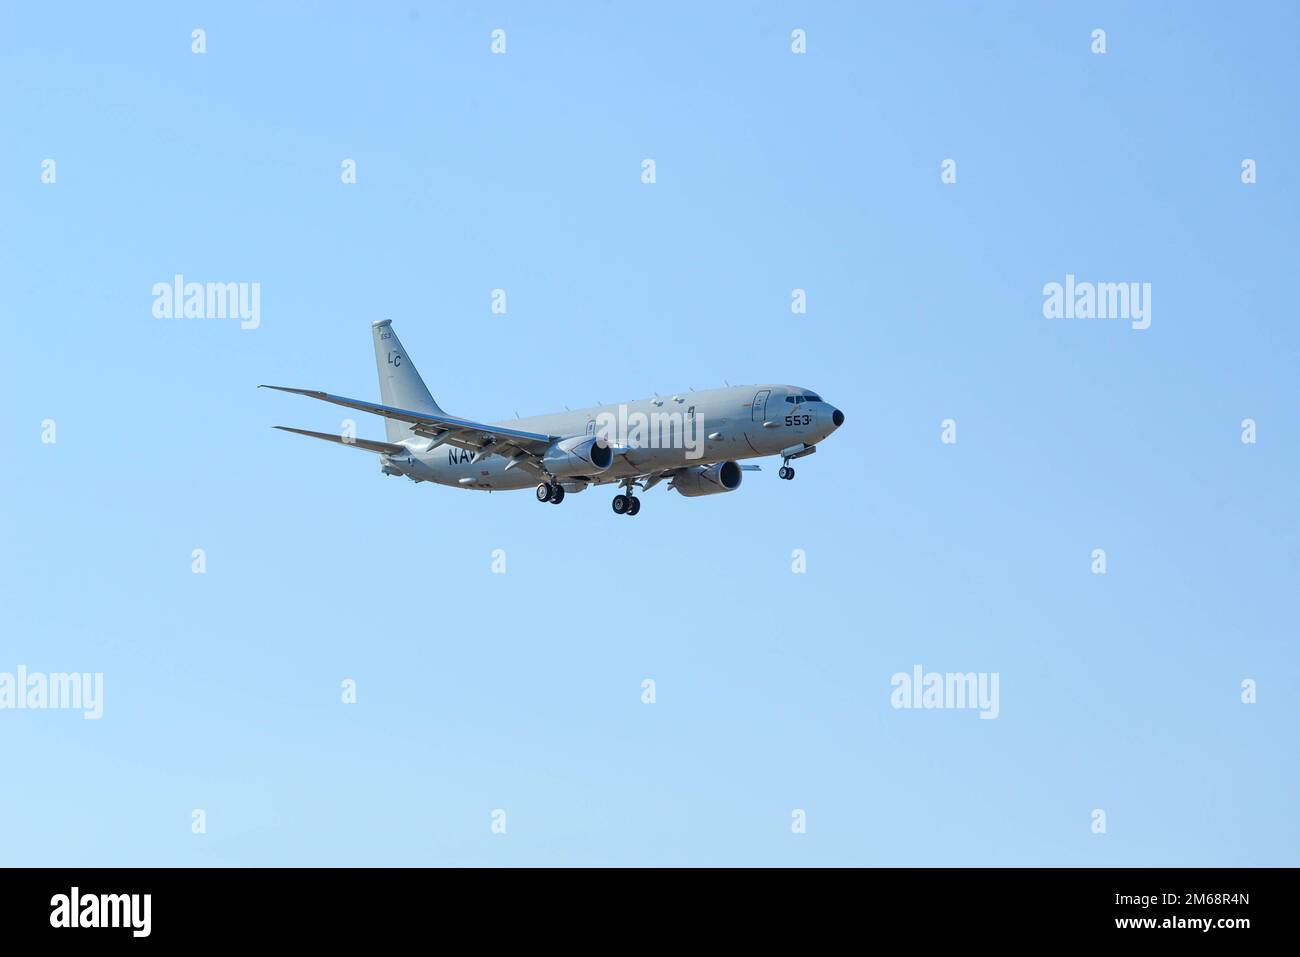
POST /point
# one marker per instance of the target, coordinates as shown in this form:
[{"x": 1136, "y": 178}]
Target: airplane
[{"x": 570, "y": 451}]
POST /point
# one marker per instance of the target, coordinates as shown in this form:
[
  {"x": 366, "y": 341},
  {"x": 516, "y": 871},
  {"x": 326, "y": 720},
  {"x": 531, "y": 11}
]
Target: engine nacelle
[
  {"x": 578, "y": 455},
  {"x": 709, "y": 479}
]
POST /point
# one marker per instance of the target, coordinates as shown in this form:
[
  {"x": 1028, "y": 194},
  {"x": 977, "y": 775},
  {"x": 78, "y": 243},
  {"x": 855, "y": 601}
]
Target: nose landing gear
[{"x": 790, "y": 454}]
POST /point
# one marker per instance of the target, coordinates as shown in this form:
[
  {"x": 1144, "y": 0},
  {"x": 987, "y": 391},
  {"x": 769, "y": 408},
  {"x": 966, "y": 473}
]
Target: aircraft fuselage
[{"x": 685, "y": 429}]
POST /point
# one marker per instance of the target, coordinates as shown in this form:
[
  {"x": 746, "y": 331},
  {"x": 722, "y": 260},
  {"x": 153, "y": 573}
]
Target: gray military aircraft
[{"x": 694, "y": 440}]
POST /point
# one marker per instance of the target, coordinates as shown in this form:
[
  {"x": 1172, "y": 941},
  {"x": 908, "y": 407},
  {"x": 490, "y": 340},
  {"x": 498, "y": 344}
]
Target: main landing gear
[
  {"x": 785, "y": 472},
  {"x": 627, "y": 504},
  {"x": 551, "y": 492}
]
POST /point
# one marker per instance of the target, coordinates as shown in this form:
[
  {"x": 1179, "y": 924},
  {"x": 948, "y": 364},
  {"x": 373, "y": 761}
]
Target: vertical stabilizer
[{"x": 400, "y": 385}]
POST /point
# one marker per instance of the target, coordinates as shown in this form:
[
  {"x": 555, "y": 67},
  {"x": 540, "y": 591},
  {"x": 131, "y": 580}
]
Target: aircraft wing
[{"x": 525, "y": 447}]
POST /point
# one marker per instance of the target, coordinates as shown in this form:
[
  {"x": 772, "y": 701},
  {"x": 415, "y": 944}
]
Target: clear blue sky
[{"x": 775, "y": 171}]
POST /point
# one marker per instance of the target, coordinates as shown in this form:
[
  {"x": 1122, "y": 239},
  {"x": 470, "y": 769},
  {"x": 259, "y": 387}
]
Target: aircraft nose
[{"x": 838, "y": 418}]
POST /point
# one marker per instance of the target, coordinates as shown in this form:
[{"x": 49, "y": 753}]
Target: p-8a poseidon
[{"x": 695, "y": 440}]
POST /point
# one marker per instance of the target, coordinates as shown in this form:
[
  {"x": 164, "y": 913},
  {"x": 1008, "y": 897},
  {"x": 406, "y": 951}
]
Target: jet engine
[
  {"x": 708, "y": 479},
  {"x": 578, "y": 455}
]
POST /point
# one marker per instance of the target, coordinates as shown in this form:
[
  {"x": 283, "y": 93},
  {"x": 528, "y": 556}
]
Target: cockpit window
[{"x": 811, "y": 397}]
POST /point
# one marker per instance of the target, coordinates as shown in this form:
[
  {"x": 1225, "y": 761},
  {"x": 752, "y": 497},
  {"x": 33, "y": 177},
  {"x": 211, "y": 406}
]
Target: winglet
[{"x": 313, "y": 393}]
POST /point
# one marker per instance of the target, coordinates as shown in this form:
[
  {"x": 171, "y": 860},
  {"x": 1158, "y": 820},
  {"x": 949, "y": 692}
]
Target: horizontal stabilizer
[
  {"x": 440, "y": 427},
  {"x": 383, "y": 448}
]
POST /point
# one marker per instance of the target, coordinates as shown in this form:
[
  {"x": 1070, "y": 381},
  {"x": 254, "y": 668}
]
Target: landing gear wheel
[
  {"x": 621, "y": 504},
  {"x": 544, "y": 492},
  {"x": 557, "y": 494},
  {"x": 634, "y": 505},
  {"x": 786, "y": 472}
]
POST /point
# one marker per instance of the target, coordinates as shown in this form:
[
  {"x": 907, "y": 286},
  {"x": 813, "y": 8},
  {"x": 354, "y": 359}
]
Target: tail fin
[{"x": 400, "y": 386}]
